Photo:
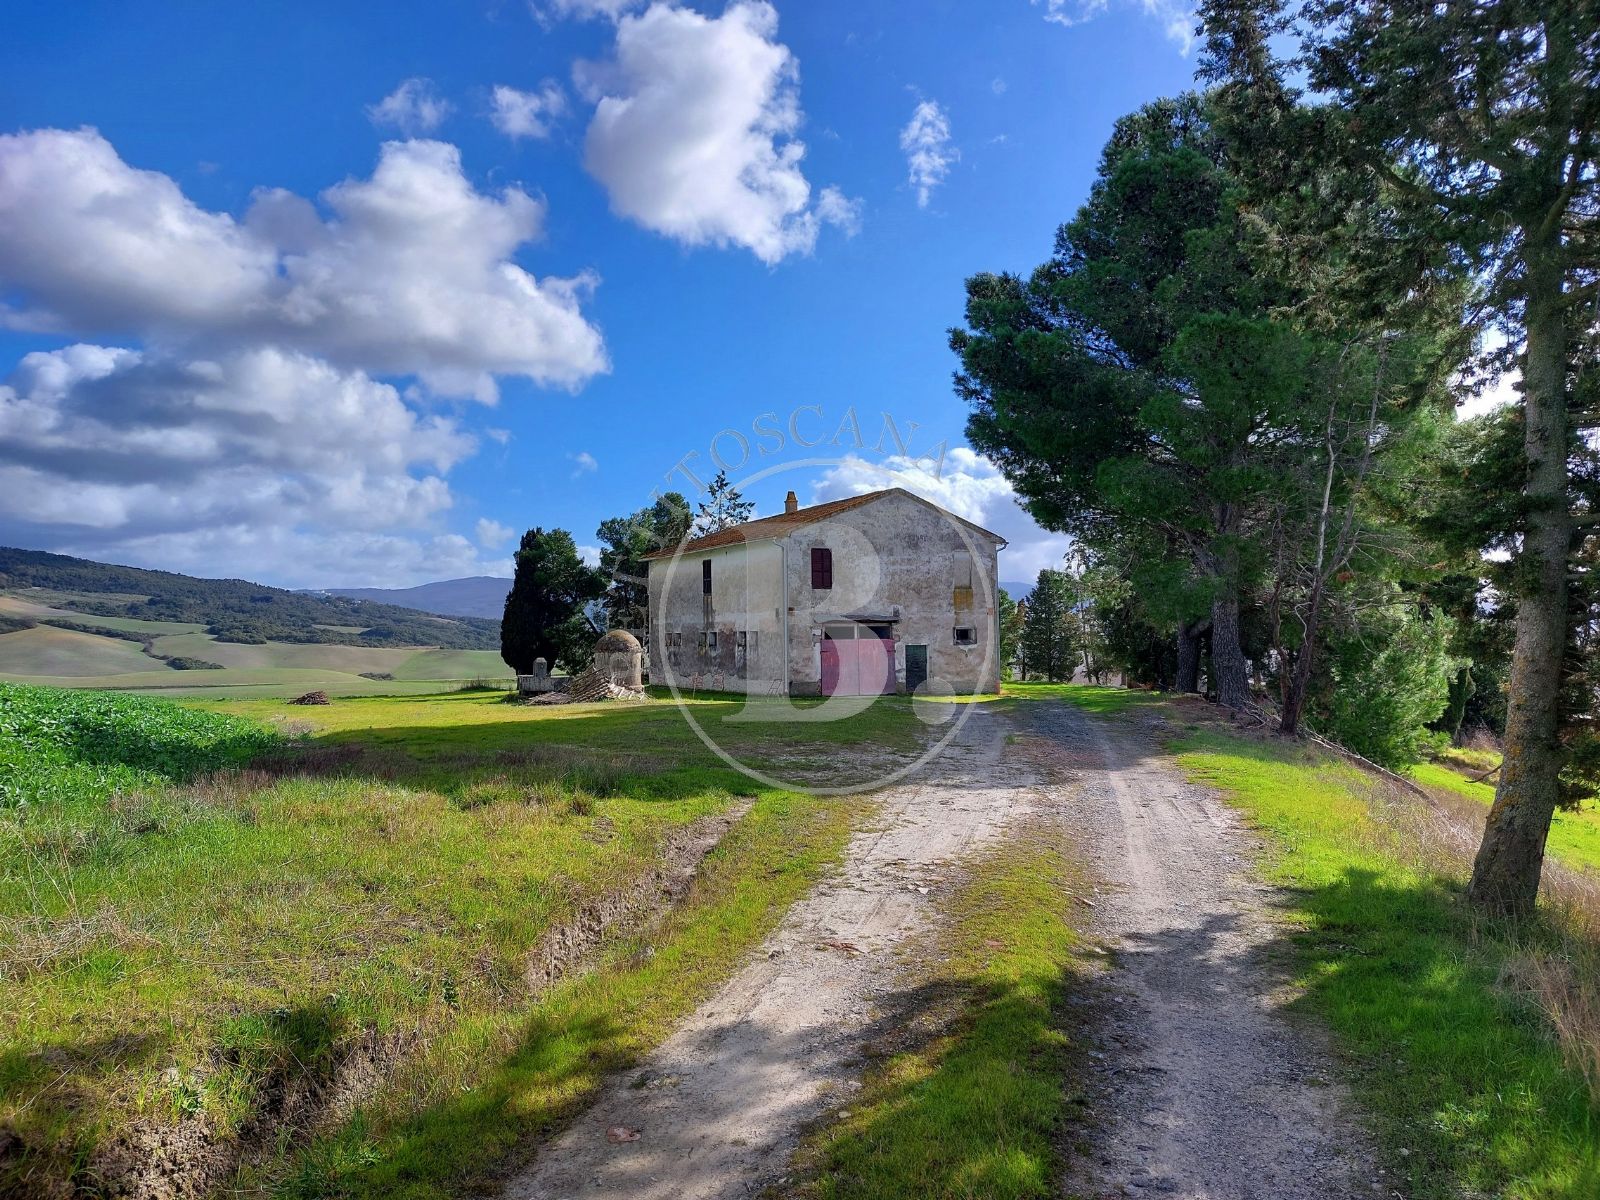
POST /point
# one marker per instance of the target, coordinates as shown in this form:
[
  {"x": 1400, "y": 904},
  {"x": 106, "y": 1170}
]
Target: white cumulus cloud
[
  {"x": 527, "y": 114},
  {"x": 492, "y": 534},
  {"x": 413, "y": 107},
  {"x": 965, "y": 483},
  {"x": 108, "y": 448},
  {"x": 410, "y": 271},
  {"x": 929, "y": 154},
  {"x": 1176, "y": 18},
  {"x": 584, "y": 10},
  {"x": 582, "y": 463},
  {"x": 694, "y": 131}
]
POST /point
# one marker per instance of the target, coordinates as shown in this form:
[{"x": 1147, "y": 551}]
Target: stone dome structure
[{"x": 619, "y": 657}]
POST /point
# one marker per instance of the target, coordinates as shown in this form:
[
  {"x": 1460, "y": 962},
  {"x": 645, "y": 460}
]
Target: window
[
  {"x": 821, "y": 568},
  {"x": 711, "y": 643},
  {"x": 966, "y": 635},
  {"x": 705, "y": 576},
  {"x": 702, "y": 646}
]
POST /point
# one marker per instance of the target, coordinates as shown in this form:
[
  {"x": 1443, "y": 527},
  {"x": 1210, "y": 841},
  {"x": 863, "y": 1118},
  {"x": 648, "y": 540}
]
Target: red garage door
[{"x": 859, "y": 665}]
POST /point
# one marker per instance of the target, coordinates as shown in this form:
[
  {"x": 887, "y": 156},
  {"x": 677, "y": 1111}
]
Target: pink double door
[{"x": 858, "y": 666}]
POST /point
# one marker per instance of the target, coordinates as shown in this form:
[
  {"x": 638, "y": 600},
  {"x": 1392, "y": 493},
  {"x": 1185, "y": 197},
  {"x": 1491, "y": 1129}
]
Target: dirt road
[
  {"x": 718, "y": 1109},
  {"x": 1205, "y": 1088}
]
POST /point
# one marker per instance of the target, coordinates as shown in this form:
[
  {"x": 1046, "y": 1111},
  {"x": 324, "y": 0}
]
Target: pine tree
[
  {"x": 1136, "y": 385},
  {"x": 1009, "y": 617},
  {"x": 544, "y": 616},
  {"x": 722, "y": 508},
  {"x": 624, "y": 542},
  {"x": 1047, "y": 630},
  {"x": 1477, "y": 128}
]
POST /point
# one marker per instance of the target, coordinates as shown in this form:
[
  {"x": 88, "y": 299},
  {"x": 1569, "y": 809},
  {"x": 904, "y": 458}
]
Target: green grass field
[
  {"x": 1574, "y": 836},
  {"x": 182, "y": 947},
  {"x": 1090, "y": 697},
  {"x": 54, "y": 657},
  {"x": 1459, "y": 1066}
]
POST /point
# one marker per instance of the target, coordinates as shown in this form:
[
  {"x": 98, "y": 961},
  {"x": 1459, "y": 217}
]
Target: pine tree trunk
[
  {"x": 1505, "y": 877},
  {"x": 1227, "y": 655},
  {"x": 1294, "y": 699},
  {"x": 1188, "y": 679}
]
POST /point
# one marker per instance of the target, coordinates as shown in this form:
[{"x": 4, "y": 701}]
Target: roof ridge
[{"x": 733, "y": 535}]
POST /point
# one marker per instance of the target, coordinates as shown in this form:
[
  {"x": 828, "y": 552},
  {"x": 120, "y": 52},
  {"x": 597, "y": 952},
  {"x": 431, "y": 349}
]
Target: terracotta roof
[{"x": 781, "y": 523}]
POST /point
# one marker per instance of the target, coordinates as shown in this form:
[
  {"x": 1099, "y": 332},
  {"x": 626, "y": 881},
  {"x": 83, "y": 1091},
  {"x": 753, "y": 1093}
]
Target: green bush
[
  {"x": 1389, "y": 681},
  {"x": 65, "y": 745}
]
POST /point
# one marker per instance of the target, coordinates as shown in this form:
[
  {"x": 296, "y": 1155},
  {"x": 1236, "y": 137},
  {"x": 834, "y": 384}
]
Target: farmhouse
[{"x": 878, "y": 593}]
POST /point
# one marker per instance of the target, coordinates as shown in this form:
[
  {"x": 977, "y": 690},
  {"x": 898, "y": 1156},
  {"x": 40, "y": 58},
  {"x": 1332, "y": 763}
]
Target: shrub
[
  {"x": 65, "y": 745},
  {"x": 1389, "y": 682}
]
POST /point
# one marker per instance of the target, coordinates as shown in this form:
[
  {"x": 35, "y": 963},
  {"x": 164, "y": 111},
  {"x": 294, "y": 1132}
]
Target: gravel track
[
  {"x": 1204, "y": 1088},
  {"x": 720, "y": 1106}
]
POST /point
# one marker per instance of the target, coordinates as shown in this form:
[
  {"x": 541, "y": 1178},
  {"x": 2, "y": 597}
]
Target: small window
[
  {"x": 966, "y": 635},
  {"x": 821, "y": 568},
  {"x": 705, "y": 576},
  {"x": 711, "y": 643},
  {"x": 702, "y": 643}
]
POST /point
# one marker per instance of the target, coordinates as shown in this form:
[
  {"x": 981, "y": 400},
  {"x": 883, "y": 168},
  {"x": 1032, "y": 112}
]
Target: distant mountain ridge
[
  {"x": 472, "y": 596},
  {"x": 236, "y": 610}
]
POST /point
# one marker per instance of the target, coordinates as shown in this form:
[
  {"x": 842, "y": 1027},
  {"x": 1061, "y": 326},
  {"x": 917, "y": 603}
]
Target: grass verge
[
  {"x": 1574, "y": 836},
  {"x": 974, "y": 1085},
  {"x": 1459, "y": 1064},
  {"x": 1105, "y": 701},
  {"x": 459, "y": 1112},
  {"x": 189, "y": 964}
]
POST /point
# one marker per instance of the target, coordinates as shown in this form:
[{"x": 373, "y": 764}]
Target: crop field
[
  {"x": 115, "y": 659},
  {"x": 66, "y": 653},
  {"x": 218, "y": 917}
]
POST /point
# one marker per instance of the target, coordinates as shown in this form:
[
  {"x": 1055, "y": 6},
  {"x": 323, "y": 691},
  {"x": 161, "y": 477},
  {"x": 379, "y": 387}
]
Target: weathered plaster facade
[{"x": 738, "y": 611}]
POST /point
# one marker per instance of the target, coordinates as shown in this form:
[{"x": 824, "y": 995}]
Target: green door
[{"x": 916, "y": 667}]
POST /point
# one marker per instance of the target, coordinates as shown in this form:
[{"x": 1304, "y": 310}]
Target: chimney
[{"x": 790, "y": 503}]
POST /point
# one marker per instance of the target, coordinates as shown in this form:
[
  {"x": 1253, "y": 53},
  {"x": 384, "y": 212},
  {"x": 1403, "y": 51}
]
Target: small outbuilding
[{"x": 619, "y": 659}]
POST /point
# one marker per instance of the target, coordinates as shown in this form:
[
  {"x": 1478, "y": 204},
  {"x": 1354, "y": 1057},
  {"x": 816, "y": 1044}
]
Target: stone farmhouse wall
[{"x": 899, "y": 566}]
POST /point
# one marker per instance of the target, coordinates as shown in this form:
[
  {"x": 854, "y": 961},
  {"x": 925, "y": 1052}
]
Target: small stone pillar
[{"x": 537, "y": 682}]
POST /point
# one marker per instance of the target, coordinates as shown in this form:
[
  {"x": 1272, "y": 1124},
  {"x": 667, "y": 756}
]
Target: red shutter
[{"x": 821, "y": 567}]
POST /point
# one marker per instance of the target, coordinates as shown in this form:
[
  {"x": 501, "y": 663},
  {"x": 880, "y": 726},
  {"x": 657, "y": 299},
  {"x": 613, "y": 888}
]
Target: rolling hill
[
  {"x": 474, "y": 596},
  {"x": 234, "y": 610},
  {"x": 71, "y": 622}
]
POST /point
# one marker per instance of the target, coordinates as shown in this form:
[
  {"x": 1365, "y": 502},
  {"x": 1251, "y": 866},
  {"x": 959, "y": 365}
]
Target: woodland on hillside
[{"x": 1235, "y": 383}]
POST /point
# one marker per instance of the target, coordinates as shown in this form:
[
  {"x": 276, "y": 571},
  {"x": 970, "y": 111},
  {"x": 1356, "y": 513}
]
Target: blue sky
[{"x": 347, "y": 294}]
